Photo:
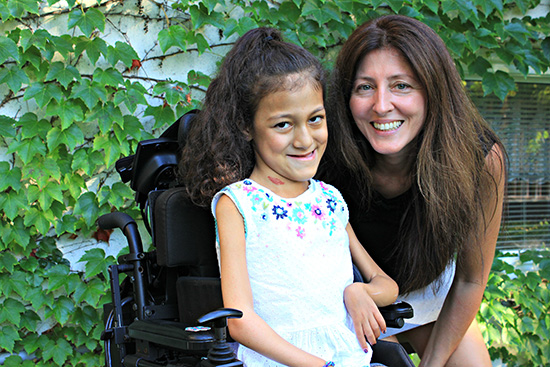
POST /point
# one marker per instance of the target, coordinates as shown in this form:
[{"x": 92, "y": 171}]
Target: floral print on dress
[{"x": 325, "y": 208}]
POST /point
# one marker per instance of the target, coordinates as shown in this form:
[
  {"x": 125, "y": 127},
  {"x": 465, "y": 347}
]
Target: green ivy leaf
[
  {"x": 12, "y": 203},
  {"x": 26, "y": 149},
  {"x": 15, "y": 282},
  {"x": 4, "y": 12},
  {"x": 545, "y": 44},
  {"x": 67, "y": 110},
  {"x": 517, "y": 31},
  {"x": 479, "y": 66},
  {"x": 7, "y": 262},
  {"x": 36, "y": 218},
  {"x": 18, "y": 8},
  {"x": 64, "y": 74},
  {"x": 85, "y": 317},
  {"x": 30, "y": 321},
  {"x": 7, "y": 126},
  {"x": 94, "y": 47},
  {"x": 8, "y": 336},
  {"x": 498, "y": 83},
  {"x": 32, "y": 56},
  {"x": 121, "y": 52},
  {"x": 89, "y": 92},
  {"x": 57, "y": 276},
  {"x": 43, "y": 93},
  {"x": 11, "y": 310},
  {"x": 174, "y": 36},
  {"x": 14, "y": 77},
  {"x": 109, "y": 76},
  {"x": 164, "y": 116},
  {"x": 112, "y": 151},
  {"x": 173, "y": 93},
  {"x": 52, "y": 191},
  {"x": 87, "y": 161},
  {"x": 106, "y": 115},
  {"x": 16, "y": 232},
  {"x": 87, "y": 207},
  {"x": 11, "y": 177},
  {"x": 39, "y": 38},
  {"x": 63, "y": 44},
  {"x": 59, "y": 353},
  {"x": 71, "y": 137},
  {"x": 198, "y": 78},
  {"x": 91, "y": 292},
  {"x": 87, "y": 22},
  {"x": 96, "y": 263},
  {"x": 133, "y": 127},
  {"x": 62, "y": 311},
  {"x": 131, "y": 97},
  {"x": 321, "y": 12}
]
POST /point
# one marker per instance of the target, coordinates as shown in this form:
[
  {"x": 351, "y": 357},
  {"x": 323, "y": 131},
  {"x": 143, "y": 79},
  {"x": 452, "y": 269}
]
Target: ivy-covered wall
[{"x": 81, "y": 82}]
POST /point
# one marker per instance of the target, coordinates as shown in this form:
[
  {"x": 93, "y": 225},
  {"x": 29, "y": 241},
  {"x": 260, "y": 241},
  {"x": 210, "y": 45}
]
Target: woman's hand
[{"x": 367, "y": 319}]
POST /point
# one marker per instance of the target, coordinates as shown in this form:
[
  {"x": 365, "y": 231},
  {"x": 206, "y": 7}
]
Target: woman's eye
[
  {"x": 364, "y": 87},
  {"x": 402, "y": 86}
]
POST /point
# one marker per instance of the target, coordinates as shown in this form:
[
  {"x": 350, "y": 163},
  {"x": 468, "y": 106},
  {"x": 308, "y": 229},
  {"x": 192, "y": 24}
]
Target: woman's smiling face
[{"x": 388, "y": 102}]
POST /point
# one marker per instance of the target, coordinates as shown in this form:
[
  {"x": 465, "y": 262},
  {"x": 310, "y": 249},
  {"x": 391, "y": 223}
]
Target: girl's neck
[{"x": 280, "y": 186}]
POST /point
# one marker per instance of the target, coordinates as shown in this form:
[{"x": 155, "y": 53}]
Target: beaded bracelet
[{"x": 329, "y": 364}]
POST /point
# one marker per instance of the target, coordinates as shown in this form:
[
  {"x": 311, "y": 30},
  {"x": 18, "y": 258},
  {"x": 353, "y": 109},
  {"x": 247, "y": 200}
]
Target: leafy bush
[
  {"x": 77, "y": 96},
  {"x": 515, "y": 313}
]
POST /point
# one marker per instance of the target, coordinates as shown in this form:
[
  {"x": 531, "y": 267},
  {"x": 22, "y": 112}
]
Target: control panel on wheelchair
[{"x": 167, "y": 307}]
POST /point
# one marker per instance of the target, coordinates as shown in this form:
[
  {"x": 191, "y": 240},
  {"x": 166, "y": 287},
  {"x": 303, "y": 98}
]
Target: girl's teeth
[{"x": 389, "y": 126}]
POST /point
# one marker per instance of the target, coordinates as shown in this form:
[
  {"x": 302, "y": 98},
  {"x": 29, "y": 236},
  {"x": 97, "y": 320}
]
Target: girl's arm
[
  {"x": 363, "y": 299},
  {"x": 250, "y": 330},
  {"x": 464, "y": 298}
]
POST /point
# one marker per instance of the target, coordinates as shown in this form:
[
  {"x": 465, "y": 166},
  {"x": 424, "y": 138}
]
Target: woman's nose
[{"x": 382, "y": 102}]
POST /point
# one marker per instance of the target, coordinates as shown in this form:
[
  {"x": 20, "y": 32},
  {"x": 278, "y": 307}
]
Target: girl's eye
[
  {"x": 316, "y": 120},
  {"x": 282, "y": 125}
]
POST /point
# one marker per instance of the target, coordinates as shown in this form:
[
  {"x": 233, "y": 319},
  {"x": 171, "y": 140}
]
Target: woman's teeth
[{"x": 387, "y": 126}]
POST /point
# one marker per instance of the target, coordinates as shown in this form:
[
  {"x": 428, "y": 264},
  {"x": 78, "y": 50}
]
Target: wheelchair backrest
[{"x": 183, "y": 233}]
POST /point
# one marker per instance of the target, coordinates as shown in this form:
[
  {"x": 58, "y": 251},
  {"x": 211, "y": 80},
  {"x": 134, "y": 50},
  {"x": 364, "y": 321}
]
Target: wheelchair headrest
[{"x": 154, "y": 166}]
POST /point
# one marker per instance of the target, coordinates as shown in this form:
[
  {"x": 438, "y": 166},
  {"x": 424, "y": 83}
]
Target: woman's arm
[
  {"x": 250, "y": 330},
  {"x": 464, "y": 298},
  {"x": 363, "y": 299}
]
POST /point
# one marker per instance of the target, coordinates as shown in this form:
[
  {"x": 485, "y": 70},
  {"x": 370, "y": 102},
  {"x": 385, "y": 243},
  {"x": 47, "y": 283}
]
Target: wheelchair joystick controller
[{"x": 221, "y": 354}]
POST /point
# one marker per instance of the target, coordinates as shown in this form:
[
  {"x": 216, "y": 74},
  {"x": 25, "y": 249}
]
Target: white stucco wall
[{"x": 141, "y": 33}]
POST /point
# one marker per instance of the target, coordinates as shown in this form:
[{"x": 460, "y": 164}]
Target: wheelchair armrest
[
  {"x": 220, "y": 316},
  {"x": 395, "y": 313}
]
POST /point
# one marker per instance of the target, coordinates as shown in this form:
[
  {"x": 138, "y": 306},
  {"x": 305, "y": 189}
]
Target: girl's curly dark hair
[{"x": 217, "y": 152}]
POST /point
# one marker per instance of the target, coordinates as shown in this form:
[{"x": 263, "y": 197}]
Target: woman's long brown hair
[{"x": 449, "y": 175}]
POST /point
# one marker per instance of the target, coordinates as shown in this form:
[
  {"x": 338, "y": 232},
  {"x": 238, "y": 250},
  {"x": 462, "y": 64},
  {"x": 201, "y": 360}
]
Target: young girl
[{"x": 285, "y": 241}]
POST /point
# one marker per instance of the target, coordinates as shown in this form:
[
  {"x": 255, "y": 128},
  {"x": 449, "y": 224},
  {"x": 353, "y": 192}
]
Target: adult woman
[{"x": 424, "y": 177}]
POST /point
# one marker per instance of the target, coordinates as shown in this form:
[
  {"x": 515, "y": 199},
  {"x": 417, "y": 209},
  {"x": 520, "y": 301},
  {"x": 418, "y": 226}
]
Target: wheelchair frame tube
[{"x": 135, "y": 257}]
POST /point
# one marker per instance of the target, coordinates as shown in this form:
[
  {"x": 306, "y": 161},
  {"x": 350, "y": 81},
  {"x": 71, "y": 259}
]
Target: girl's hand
[{"x": 367, "y": 319}]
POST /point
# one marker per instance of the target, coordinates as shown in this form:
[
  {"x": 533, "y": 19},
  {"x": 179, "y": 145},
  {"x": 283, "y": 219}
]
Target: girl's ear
[{"x": 247, "y": 135}]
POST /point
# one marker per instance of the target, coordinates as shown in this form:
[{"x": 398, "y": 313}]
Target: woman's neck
[{"x": 392, "y": 175}]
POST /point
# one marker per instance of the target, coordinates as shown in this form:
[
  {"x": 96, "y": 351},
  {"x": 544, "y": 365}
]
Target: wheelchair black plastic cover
[{"x": 158, "y": 314}]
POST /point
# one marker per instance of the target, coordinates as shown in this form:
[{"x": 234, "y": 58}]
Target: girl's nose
[
  {"x": 302, "y": 138},
  {"x": 382, "y": 102}
]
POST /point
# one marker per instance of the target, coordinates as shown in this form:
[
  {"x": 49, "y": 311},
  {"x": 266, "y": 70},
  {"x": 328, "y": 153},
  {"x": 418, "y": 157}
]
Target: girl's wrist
[{"x": 329, "y": 364}]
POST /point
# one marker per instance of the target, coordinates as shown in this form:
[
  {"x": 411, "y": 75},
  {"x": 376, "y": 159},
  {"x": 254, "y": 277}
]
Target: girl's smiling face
[
  {"x": 387, "y": 102},
  {"x": 289, "y": 136}
]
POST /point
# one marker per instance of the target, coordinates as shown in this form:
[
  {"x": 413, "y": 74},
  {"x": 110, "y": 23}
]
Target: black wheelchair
[{"x": 166, "y": 307}]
